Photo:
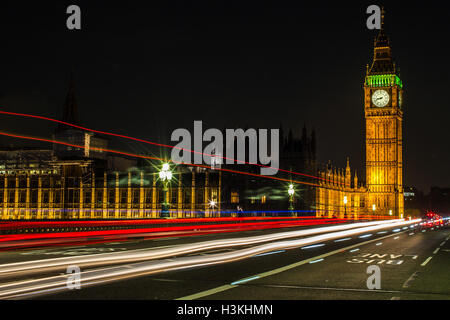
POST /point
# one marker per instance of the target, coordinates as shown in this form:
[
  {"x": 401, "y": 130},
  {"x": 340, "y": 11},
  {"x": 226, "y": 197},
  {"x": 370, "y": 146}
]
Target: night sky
[{"x": 145, "y": 69}]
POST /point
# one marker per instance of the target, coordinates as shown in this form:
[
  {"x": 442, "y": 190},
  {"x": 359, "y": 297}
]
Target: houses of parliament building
[{"x": 67, "y": 182}]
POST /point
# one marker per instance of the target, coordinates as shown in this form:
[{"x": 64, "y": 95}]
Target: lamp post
[
  {"x": 165, "y": 175},
  {"x": 345, "y": 207},
  {"x": 390, "y": 212},
  {"x": 291, "y": 192},
  {"x": 374, "y": 207},
  {"x": 212, "y": 205}
]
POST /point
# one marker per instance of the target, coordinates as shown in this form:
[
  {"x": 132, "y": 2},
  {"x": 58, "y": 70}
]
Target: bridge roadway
[{"x": 413, "y": 264}]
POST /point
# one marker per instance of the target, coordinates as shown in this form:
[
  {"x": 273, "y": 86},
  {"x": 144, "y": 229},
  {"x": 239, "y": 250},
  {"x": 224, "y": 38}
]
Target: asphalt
[{"x": 336, "y": 270}]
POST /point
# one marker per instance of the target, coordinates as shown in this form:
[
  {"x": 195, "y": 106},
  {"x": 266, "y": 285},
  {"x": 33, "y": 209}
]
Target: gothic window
[
  {"x": 123, "y": 196},
  {"x": 22, "y": 196},
  {"x": 174, "y": 195},
  {"x": 99, "y": 197},
  {"x": 135, "y": 196},
  {"x": 87, "y": 197},
  {"x": 45, "y": 197},
  {"x": 34, "y": 196},
  {"x": 200, "y": 196},
  {"x": 111, "y": 196},
  {"x": 76, "y": 196},
  {"x": 56, "y": 196},
  {"x": 187, "y": 196},
  {"x": 148, "y": 195},
  {"x": 234, "y": 197}
]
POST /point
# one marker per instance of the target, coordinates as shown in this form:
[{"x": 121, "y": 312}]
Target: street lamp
[
  {"x": 390, "y": 212},
  {"x": 374, "y": 207},
  {"x": 165, "y": 175},
  {"x": 345, "y": 207},
  {"x": 212, "y": 205},
  {"x": 291, "y": 192}
]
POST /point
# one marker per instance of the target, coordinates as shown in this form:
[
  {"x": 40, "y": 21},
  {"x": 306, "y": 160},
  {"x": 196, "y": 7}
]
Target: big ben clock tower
[{"x": 383, "y": 93}]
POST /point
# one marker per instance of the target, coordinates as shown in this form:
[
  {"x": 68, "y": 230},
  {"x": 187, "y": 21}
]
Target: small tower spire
[
  {"x": 382, "y": 58},
  {"x": 70, "y": 113}
]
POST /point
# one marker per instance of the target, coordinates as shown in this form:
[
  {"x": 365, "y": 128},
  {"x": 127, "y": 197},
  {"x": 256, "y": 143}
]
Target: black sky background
[{"x": 146, "y": 68}]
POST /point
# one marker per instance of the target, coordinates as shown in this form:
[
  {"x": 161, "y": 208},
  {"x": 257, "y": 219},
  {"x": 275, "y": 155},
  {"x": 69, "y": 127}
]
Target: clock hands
[{"x": 380, "y": 97}]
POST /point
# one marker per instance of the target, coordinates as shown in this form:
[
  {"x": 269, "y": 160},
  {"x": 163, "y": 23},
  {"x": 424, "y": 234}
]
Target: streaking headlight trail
[
  {"x": 148, "y": 254},
  {"x": 109, "y": 274}
]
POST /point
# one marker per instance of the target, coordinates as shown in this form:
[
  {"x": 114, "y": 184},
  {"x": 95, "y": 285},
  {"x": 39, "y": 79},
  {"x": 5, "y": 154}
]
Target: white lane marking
[
  {"x": 331, "y": 289},
  {"x": 410, "y": 279},
  {"x": 244, "y": 280},
  {"x": 268, "y": 253},
  {"x": 318, "y": 260},
  {"x": 426, "y": 261},
  {"x": 442, "y": 243},
  {"x": 411, "y": 234},
  {"x": 396, "y": 238},
  {"x": 354, "y": 250},
  {"x": 379, "y": 243},
  {"x": 436, "y": 251},
  {"x": 394, "y": 298},
  {"x": 313, "y": 246},
  {"x": 339, "y": 240},
  {"x": 278, "y": 270}
]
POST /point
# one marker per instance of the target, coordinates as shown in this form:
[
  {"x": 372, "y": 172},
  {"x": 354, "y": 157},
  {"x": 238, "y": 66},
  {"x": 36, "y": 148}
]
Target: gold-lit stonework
[
  {"x": 383, "y": 131},
  {"x": 382, "y": 194}
]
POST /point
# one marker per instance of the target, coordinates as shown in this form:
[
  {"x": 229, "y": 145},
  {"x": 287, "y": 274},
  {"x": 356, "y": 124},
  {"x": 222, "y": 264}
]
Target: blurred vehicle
[{"x": 432, "y": 219}]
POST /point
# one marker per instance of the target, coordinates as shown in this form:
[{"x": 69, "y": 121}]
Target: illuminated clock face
[{"x": 380, "y": 98}]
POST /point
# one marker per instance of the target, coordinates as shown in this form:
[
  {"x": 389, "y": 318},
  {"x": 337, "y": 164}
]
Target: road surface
[{"x": 413, "y": 265}]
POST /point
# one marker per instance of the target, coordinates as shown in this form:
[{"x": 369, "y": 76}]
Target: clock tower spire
[{"x": 383, "y": 91}]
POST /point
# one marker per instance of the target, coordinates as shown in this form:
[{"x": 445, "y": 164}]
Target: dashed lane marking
[
  {"x": 410, "y": 279},
  {"x": 278, "y": 270},
  {"x": 426, "y": 261},
  {"x": 329, "y": 288}
]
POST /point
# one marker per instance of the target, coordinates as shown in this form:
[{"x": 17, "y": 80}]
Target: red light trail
[
  {"x": 151, "y": 158},
  {"x": 150, "y": 142}
]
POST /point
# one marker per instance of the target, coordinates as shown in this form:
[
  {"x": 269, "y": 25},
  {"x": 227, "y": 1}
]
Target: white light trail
[
  {"x": 109, "y": 274},
  {"x": 142, "y": 255}
]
